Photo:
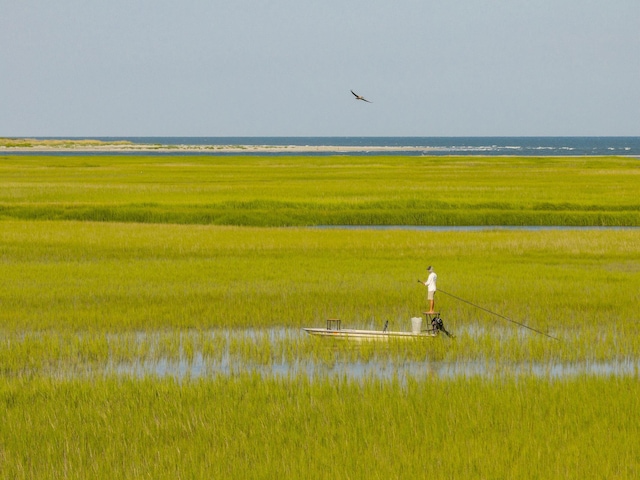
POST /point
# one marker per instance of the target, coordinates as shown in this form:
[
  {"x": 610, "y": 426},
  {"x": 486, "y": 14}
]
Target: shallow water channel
[{"x": 291, "y": 353}]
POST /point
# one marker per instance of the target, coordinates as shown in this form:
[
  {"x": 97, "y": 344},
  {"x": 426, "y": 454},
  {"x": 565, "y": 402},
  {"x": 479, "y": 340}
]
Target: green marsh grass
[
  {"x": 249, "y": 427},
  {"x": 97, "y": 278},
  {"x": 91, "y": 309},
  {"x": 342, "y": 190}
]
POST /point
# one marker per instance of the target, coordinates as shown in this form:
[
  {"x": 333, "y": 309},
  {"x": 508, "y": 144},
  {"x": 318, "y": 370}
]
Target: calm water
[
  {"x": 546, "y": 146},
  {"x": 198, "y": 367},
  {"x": 198, "y": 364}
]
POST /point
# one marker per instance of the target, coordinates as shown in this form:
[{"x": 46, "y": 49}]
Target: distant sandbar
[{"x": 43, "y": 146}]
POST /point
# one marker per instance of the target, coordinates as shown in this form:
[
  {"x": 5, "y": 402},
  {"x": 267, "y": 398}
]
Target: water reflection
[
  {"x": 289, "y": 353},
  {"x": 199, "y": 368}
]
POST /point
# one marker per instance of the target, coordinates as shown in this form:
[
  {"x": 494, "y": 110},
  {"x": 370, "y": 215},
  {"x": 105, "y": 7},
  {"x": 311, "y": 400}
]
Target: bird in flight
[{"x": 360, "y": 97}]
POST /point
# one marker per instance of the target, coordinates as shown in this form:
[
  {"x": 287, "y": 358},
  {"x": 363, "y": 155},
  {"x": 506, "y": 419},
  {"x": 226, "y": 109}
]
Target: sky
[{"x": 95, "y": 68}]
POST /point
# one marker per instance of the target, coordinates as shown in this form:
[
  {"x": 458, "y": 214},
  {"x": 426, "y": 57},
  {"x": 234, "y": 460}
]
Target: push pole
[{"x": 498, "y": 315}]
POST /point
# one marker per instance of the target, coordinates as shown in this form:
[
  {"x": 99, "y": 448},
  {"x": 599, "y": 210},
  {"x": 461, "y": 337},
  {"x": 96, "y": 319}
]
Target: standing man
[{"x": 431, "y": 287}]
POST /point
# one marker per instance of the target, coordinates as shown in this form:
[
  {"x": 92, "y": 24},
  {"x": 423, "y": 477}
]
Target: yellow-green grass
[
  {"x": 250, "y": 427},
  {"x": 333, "y": 190},
  {"x": 76, "y": 297},
  {"x": 68, "y": 280}
]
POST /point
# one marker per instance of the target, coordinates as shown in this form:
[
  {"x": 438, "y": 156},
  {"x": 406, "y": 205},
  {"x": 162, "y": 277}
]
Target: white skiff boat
[
  {"x": 353, "y": 334},
  {"x": 334, "y": 330}
]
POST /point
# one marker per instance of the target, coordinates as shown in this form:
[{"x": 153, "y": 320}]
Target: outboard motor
[{"x": 438, "y": 325}]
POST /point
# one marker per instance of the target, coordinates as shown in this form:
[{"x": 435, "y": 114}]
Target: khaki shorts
[{"x": 430, "y": 294}]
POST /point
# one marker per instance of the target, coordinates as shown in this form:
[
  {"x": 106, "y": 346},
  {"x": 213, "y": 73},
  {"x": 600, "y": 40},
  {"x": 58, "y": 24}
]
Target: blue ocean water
[{"x": 533, "y": 146}]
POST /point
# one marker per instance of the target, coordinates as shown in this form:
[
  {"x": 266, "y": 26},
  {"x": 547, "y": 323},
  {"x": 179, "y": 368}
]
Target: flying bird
[{"x": 360, "y": 97}]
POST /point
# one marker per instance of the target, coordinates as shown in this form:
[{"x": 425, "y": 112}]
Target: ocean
[{"x": 517, "y": 146}]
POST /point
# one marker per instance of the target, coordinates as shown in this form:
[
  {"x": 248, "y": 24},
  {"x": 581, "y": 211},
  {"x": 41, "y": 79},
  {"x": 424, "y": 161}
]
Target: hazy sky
[{"x": 285, "y": 67}]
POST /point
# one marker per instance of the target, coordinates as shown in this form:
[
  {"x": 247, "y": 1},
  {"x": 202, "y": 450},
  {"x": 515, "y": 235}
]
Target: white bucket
[{"x": 416, "y": 324}]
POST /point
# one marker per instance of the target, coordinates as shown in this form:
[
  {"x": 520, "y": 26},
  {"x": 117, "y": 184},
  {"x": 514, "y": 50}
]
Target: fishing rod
[{"x": 498, "y": 315}]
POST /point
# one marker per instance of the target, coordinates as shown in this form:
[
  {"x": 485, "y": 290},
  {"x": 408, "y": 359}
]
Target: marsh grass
[
  {"x": 298, "y": 191},
  {"x": 96, "y": 279},
  {"x": 95, "y": 276},
  {"x": 83, "y": 303},
  {"x": 249, "y": 427}
]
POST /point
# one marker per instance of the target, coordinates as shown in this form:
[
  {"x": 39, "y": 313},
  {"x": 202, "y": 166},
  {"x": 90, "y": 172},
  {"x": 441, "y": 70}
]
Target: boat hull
[{"x": 352, "y": 334}]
